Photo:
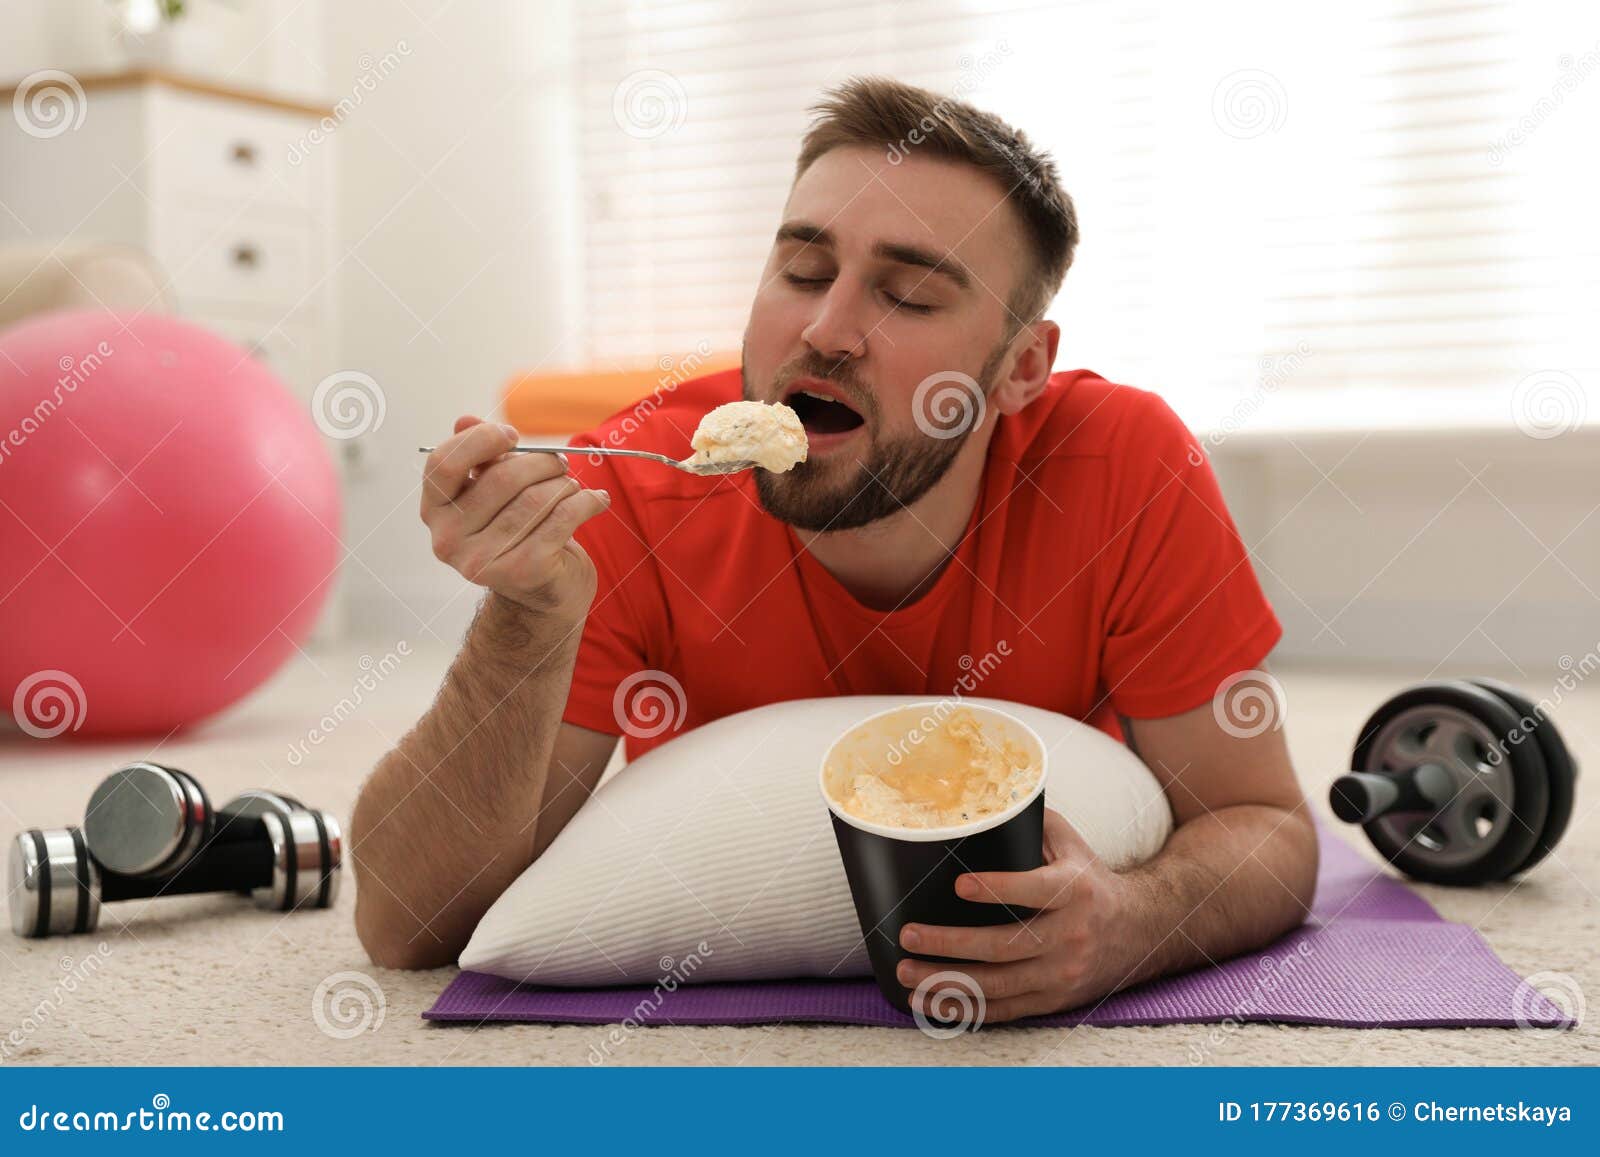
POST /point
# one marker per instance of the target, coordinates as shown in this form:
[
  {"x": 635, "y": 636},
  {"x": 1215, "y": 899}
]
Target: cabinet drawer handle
[
  {"x": 246, "y": 255},
  {"x": 243, "y": 153}
]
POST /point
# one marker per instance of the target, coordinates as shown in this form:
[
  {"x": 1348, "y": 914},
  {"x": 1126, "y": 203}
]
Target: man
[{"x": 958, "y": 501}]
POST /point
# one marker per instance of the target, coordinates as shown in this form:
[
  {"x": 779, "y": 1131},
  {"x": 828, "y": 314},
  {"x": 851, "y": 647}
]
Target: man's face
[{"x": 884, "y": 278}]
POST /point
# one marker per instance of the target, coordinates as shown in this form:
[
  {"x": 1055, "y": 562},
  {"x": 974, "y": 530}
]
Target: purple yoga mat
[{"x": 1373, "y": 954}]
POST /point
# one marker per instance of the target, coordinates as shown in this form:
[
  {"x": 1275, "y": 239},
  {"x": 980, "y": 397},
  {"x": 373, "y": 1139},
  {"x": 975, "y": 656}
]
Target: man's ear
[{"x": 1033, "y": 354}]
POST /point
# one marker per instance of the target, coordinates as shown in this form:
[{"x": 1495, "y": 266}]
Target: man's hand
[
  {"x": 1071, "y": 952},
  {"x": 505, "y": 521}
]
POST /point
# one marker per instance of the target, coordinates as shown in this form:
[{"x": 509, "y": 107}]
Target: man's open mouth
[{"x": 820, "y": 409}]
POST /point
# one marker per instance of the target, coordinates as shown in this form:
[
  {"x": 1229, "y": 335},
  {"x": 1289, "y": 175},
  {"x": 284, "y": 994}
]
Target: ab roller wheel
[
  {"x": 1459, "y": 781},
  {"x": 150, "y": 831}
]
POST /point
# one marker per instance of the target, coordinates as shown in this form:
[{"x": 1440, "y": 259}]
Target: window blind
[{"x": 1387, "y": 199}]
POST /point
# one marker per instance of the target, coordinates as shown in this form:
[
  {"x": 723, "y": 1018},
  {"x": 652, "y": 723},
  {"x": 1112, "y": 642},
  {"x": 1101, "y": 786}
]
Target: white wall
[
  {"x": 454, "y": 226},
  {"x": 268, "y": 45},
  {"x": 1466, "y": 551}
]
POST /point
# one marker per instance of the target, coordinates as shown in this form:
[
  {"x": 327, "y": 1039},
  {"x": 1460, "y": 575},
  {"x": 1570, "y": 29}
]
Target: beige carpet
[{"x": 209, "y": 980}]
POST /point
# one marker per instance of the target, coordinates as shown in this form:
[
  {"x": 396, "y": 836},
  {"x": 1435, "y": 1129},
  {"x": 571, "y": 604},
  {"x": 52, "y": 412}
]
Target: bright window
[{"x": 1381, "y": 209}]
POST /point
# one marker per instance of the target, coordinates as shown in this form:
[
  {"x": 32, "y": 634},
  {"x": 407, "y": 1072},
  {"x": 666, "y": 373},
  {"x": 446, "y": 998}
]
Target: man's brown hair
[{"x": 901, "y": 118}]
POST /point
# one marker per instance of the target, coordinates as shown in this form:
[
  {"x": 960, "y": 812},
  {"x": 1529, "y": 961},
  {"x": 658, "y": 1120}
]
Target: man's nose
[{"x": 838, "y": 329}]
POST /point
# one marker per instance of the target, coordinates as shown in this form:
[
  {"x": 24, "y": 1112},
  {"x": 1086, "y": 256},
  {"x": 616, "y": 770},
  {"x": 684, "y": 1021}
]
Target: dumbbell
[
  {"x": 148, "y": 820},
  {"x": 1460, "y": 781},
  {"x": 150, "y": 831},
  {"x": 310, "y": 876}
]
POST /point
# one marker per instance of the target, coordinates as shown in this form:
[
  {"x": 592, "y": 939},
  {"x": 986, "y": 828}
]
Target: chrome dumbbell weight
[
  {"x": 150, "y": 832},
  {"x": 148, "y": 820},
  {"x": 300, "y": 837},
  {"x": 57, "y": 887}
]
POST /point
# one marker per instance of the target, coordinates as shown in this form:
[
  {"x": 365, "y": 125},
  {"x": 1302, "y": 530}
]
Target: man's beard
[{"x": 847, "y": 493}]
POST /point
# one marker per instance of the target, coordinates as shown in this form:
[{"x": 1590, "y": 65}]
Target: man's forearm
[
  {"x": 446, "y": 821},
  {"x": 1227, "y": 882}
]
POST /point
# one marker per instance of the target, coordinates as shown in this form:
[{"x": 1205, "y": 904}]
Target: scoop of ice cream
[
  {"x": 770, "y": 435},
  {"x": 943, "y": 775}
]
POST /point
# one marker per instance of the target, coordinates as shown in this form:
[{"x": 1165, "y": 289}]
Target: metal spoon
[{"x": 687, "y": 465}]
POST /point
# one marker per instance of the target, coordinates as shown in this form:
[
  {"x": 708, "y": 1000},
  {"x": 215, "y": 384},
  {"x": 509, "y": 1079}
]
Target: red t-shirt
[{"x": 1100, "y": 575}]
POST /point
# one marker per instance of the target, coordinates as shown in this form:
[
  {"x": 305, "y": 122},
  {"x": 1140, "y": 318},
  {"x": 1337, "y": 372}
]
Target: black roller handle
[
  {"x": 1362, "y": 796},
  {"x": 239, "y": 856}
]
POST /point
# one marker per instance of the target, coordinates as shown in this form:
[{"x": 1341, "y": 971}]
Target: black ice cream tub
[{"x": 902, "y": 875}]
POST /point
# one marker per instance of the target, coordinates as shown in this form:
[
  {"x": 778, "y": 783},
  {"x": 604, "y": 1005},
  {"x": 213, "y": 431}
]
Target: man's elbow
[
  {"x": 390, "y": 934},
  {"x": 388, "y": 944},
  {"x": 1300, "y": 860}
]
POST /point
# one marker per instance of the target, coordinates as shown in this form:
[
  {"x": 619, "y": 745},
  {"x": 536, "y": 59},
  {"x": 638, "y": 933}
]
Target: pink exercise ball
[{"x": 169, "y": 523}]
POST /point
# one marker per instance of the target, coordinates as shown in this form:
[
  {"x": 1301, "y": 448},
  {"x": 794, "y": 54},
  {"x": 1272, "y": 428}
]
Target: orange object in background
[{"x": 568, "y": 403}]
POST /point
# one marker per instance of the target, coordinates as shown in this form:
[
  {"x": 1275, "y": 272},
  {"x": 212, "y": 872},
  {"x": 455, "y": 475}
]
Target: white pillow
[{"x": 712, "y": 857}]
